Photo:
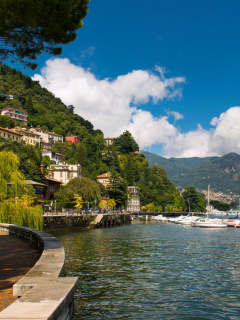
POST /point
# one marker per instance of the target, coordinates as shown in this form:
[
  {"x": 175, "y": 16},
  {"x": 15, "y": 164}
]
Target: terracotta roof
[
  {"x": 104, "y": 175},
  {"x": 10, "y": 131}
]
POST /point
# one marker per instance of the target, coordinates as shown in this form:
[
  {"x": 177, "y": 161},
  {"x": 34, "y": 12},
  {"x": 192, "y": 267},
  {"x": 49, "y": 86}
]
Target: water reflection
[{"x": 155, "y": 271}]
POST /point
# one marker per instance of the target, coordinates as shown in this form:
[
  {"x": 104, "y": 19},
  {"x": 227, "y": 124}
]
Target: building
[
  {"x": 16, "y": 114},
  {"x": 104, "y": 179},
  {"x": 109, "y": 141},
  {"x": 65, "y": 172},
  {"x": 73, "y": 139},
  {"x": 47, "y": 138},
  {"x": 134, "y": 202},
  {"x": 53, "y": 186},
  {"x": 40, "y": 189},
  {"x": 54, "y": 157},
  {"x": 9, "y": 134},
  {"x": 28, "y": 136}
]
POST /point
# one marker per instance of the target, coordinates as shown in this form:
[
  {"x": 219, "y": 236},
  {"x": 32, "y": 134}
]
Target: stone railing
[{"x": 43, "y": 293}]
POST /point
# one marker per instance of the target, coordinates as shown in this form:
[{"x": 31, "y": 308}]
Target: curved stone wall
[{"x": 43, "y": 293}]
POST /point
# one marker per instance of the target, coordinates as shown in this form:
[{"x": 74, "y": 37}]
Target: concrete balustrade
[{"x": 43, "y": 293}]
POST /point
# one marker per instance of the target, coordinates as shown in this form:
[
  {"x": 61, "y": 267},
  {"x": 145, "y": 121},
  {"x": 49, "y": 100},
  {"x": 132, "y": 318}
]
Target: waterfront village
[{"x": 59, "y": 172}]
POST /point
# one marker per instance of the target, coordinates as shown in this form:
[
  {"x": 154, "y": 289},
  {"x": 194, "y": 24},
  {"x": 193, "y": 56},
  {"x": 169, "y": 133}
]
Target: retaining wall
[{"x": 44, "y": 294}]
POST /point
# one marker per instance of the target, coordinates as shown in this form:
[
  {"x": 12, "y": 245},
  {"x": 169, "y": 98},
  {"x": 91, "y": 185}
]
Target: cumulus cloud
[
  {"x": 117, "y": 105},
  {"x": 111, "y": 105}
]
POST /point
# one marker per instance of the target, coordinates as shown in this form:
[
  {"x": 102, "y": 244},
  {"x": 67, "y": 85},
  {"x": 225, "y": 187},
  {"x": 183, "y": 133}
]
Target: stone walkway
[{"x": 16, "y": 259}]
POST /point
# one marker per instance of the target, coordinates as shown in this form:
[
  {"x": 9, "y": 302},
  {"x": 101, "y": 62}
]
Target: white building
[
  {"x": 53, "y": 156},
  {"x": 47, "y": 138},
  {"x": 65, "y": 172},
  {"x": 134, "y": 202}
]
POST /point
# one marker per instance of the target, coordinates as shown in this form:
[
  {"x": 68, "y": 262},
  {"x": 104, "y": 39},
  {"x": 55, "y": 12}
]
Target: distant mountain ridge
[{"x": 222, "y": 173}]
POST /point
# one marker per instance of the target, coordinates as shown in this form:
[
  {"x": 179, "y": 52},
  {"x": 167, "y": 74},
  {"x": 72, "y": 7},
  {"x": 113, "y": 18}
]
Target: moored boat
[{"x": 209, "y": 223}]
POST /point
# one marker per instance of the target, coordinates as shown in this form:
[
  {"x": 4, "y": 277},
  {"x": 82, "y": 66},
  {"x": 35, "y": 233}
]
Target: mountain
[
  {"x": 175, "y": 166},
  {"x": 222, "y": 173}
]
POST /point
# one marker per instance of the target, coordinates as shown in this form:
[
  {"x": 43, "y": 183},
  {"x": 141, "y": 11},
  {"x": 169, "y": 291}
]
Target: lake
[{"x": 153, "y": 270}]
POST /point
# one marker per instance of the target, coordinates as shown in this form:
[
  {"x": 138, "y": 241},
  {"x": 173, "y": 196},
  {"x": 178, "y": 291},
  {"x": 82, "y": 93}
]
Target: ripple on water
[{"x": 155, "y": 271}]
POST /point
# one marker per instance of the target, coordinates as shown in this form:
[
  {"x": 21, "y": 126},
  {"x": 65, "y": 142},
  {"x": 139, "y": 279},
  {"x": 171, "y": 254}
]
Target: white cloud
[
  {"x": 110, "y": 105},
  {"x": 117, "y": 105},
  {"x": 176, "y": 115}
]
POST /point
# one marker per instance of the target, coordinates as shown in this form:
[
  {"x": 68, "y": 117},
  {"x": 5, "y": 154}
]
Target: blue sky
[{"x": 168, "y": 71}]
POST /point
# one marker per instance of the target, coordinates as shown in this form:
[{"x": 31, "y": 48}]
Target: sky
[{"x": 167, "y": 71}]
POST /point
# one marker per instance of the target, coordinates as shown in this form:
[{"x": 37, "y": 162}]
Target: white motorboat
[
  {"x": 209, "y": 223},
  {"x": 160, "y": 217},
  {"x": 188, "y": 220}
]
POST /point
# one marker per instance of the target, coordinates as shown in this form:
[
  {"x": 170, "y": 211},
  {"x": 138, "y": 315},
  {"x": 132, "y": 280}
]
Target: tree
[
  {"x": 111, "y": 203},
  {"x": 126, "y": 143},
  {"x": 84, "y": 187},
  {"x": 194, "y": 201},
  {"x": 117, "y": 190},
  {"x": 79, "y": 201},
  {"x": 10, "y": 176},
  {"x": 29, "y": 27}
]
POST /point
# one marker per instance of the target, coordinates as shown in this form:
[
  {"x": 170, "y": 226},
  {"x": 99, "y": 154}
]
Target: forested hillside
[
  {"x": 222, "y": 173},
  {"x": 121, "y": 159},
  {"x": 43, "y": 108}
]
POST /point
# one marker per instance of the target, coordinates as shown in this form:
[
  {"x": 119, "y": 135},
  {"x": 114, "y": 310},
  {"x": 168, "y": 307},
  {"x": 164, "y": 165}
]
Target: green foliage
[
  {"x": 28, "y": 28},
  {"x": 44, "y": 110},
  {"x": 125, "y": 143},
  {"x": 84, "y": 187},
  {"x": 10, "y": 176},
  {"x": 221, "y": 206},
  {"x": 194, "y": 201},
  {"x": 154, "y": 187},
  {"x": 30, "y": 158},
  {"x": 17, "y": 211},
  {"x": 222, "y": 173},
  {"x": 117, "y": 190},
  {"x": 7, "y": 122}
]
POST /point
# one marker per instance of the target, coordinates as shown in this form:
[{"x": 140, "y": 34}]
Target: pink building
[{"x": 16, "y": 114}]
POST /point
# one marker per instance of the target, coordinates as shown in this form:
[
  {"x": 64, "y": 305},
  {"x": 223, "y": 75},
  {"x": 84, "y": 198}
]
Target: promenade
[{"x": 16, "y": 259}]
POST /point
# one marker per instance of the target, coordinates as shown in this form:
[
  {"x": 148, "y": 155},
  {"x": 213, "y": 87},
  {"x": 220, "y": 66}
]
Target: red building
[{"x": 73, "y": 139}]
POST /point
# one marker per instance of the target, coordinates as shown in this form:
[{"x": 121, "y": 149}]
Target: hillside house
[
  {"x": 65, "y": 172},
  {"x": 47, "y": 138},
  {"x": 104, "y": 179},
  {"x": 73, "y": 139},
  {"x": 9, "y": 134},
  {"x": 109, "y": 141},
  {"x": 28, "y": 137},
  {"x": 16, "y": 114}
]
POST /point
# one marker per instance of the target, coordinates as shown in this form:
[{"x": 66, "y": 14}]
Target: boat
[
  {"x": 187, "y": 220},
  {"x": 233, "y": 222},
  {"x": 160, "y": 217},
  {"x": 207, "y": 222}
]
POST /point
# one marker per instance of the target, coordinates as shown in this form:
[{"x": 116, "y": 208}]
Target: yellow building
[
  {"x": 28, "y": 136},
  {"x": 9, "y": 134}
]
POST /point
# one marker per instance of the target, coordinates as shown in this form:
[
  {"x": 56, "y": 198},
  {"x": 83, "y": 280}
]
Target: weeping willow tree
[
  {"x": 13, "y": 209},
  {"x": 10, "y": 176},
  {"x": 20, "y": 212}
]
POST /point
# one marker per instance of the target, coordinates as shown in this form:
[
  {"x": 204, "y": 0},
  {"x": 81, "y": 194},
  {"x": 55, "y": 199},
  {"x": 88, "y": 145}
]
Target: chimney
[{"x": 41, "y": 168}]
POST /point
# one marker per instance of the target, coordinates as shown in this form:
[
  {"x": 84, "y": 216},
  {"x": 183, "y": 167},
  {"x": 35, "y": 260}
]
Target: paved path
[{"x": 16, "y": 259}]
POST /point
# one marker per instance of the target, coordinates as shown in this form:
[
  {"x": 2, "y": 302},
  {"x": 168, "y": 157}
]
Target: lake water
[{"x": 155, "y": 270}]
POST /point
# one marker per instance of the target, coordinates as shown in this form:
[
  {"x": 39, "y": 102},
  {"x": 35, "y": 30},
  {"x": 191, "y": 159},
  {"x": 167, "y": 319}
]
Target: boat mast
[{"x": 208, "y": 199}]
